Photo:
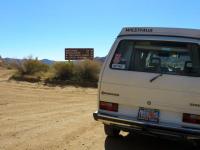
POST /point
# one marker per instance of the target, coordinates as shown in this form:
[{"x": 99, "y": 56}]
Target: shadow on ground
[{"x": 142, "y": 142}]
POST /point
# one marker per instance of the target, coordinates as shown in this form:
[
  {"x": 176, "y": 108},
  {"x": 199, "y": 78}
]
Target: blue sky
[{"x": 43, "y": 28}]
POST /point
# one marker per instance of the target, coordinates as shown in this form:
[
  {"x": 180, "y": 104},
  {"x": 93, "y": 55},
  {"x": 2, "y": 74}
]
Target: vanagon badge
[{"x": 148, "y": 102}]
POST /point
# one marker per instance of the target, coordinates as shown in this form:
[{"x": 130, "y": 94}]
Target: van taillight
[
  {"x": 191, "y": 118},
  {"x": 108, "y": 106}
]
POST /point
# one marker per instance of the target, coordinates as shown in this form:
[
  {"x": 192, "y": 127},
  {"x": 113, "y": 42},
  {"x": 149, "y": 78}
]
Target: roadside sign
[{"x": 79, "y": 53}]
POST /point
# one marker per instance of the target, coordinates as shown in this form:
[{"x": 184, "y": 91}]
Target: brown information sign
[{"x": 79, "y": 53}]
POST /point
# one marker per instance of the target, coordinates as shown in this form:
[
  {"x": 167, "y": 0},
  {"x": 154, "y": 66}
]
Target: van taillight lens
[
  {"x": 108, "y": 106},
  {"x": 191, "y": 118}
]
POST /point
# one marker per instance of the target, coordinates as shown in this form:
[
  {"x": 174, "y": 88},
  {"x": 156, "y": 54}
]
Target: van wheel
[
  {"x": 196, "y": 144},
  {"x": 110, "y": 131}
]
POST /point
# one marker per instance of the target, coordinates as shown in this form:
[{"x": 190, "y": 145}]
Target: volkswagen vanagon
[{"x": 150, "y": 83}]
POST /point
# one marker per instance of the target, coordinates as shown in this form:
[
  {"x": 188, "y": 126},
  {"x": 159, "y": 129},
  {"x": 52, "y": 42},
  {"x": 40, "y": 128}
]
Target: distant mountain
[
  {"x": 11, "y": 60},
  {"x": 47, "y": 61},
  {"x": 101, "y": 59}
]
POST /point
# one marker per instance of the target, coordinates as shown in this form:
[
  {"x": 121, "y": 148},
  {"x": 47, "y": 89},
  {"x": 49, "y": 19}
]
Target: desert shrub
[
  {"x": 61, "y": 71},
  {"x": 5, "y": 64},
  {"x": 1, "y": 63},
  {"x": 30, "y": 67},
  {"x": 76, "y": 73},
  {"x": 19, "y": 66},
  {"x": 28, "y": 78},
  {"x": 87, "y": 71},
  {"x": 9, "y": 66},
  {"x": 30, "y": 70}
]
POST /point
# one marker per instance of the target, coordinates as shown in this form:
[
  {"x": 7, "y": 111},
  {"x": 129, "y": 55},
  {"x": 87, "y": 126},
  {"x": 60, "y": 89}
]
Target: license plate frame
[{"x": 149, "y": 114}]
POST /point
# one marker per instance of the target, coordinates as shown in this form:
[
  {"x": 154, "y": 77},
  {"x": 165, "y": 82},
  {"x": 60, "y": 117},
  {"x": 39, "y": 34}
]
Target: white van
[{"x": 150, "y": 83}]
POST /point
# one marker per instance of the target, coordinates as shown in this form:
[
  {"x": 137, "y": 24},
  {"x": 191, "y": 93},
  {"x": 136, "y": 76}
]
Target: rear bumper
[{"x": 146, "y": 127}]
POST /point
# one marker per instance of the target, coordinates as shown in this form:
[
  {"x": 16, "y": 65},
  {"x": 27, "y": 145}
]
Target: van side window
[{"x": 122, "y": 56}]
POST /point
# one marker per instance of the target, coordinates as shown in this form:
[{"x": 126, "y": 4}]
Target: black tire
[
  {"x": 196, "y": 144},
  {"x": 110, "y": 131}
]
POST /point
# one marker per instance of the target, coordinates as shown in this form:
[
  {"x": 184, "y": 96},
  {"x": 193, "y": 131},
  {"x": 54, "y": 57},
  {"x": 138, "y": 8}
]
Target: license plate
[{"x": 147, "y": 114}]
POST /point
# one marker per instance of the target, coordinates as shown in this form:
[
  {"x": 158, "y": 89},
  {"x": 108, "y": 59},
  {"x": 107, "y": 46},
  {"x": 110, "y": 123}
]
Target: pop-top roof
[{"x": 178, "y": 32}]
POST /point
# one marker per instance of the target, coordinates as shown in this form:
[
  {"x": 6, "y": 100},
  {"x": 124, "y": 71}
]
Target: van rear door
[{"x": 154, "y": 75}]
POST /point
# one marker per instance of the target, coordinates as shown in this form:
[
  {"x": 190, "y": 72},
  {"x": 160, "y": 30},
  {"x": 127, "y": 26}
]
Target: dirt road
[{"x": 34, "y": 117}]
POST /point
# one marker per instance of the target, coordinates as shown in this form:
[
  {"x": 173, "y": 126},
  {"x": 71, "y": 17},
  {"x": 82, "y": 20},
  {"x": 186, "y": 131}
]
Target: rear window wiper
[{"x": 154, "y": 78}]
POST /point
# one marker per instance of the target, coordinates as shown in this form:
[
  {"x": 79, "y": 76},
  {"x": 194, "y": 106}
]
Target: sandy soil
[{"x": 34, "y": 117}]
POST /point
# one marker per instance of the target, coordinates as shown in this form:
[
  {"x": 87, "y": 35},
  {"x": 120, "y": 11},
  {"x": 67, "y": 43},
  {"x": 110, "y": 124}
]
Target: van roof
[{"x": 158, "y": 31}]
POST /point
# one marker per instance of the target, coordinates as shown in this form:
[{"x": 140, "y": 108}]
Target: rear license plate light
[
  {"x": 191, "y": 118},
  {"x": 108, "y": 106}
]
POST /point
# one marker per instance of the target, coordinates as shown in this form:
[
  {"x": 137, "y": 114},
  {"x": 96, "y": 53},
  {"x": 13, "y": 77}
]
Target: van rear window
[{"x": 158, "y": 57}]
